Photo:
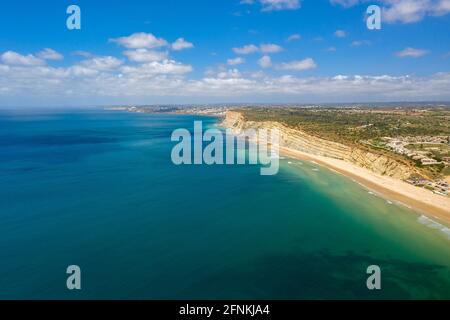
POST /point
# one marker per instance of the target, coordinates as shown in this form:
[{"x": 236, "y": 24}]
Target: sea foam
[{"x": 430, "y": 223}]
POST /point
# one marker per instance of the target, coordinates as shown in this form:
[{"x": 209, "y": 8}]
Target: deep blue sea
[{"x": 98, "y": 189}]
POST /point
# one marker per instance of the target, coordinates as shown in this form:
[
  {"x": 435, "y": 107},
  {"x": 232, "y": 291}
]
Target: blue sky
[{"x": 203, "y": 51}]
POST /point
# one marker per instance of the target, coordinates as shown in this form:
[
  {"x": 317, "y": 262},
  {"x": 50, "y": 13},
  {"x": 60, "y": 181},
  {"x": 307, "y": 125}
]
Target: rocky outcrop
[{"x": 300, "y": 140}]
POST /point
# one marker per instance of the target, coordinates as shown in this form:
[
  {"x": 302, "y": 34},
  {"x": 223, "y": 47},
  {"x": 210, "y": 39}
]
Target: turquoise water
[{"x": 98, "y": 189}]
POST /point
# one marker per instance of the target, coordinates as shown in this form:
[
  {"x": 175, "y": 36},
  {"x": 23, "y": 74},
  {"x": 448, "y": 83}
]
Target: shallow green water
[{"x": 98, "y": 189}]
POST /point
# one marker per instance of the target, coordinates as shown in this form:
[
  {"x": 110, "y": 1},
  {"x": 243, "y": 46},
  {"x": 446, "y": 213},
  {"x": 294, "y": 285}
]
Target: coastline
[
  {"x": 392, "y": 188},
  {"x": 418, "y": 199}
]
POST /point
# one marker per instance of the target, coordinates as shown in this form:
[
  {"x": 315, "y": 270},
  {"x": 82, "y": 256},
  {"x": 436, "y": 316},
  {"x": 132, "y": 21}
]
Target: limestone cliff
[{"x": 300, "y": 140}]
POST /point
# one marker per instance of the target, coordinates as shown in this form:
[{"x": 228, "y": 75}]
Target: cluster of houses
[
  {"x": 441, "y": 187},
  {"x": 425, "y": 156},
  {"x": 399, "y": 145}
]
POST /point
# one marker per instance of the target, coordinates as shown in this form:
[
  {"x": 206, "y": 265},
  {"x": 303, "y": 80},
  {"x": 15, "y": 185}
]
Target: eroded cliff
[{"x": 302, "y": 141}]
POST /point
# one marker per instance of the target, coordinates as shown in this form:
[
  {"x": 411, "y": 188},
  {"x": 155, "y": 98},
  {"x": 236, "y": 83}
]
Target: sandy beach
[{"x": 418, "y": 199}]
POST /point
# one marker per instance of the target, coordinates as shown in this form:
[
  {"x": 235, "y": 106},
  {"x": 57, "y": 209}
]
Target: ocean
[{"x": 98, "y": 189}]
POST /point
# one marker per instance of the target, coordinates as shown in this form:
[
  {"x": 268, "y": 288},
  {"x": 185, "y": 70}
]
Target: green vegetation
[
  {"x": 366, "y": 128},
  {"x": 356, "y": 125}
]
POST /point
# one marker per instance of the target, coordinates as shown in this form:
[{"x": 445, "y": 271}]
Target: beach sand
[{"x": 418, "y": 199}]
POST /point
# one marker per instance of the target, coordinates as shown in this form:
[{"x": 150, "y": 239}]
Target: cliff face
[{"x": 300, "y": 140}]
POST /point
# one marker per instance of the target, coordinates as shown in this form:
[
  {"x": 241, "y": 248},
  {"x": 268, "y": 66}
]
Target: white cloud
[
  {"x": 82, "y": 71},
  {"x": 294, "y": 37},
  {"x": 235, "y": 61},
  {"x": 405, "y": 11},
  {"x": 166, "y": 67},
  {"x": 331, "y": 49},
  {"x": 84, "y": 54},
  {"x": 340, "y": 33},
  {"x": 106, "y": 63},
  {"x": 298, "y": 65},
  {"x": 14, "y": 58},
  {"x": 181, "y": 44},
  {"x": 147, "y": 82},
  {"x": 247, "y": 49},
  {"x": 442, "y": 7},
  {"x": 140, "y": 40},
  {"x": 265, "y": 62},
  {"x": 111, "y": 80},
  {"x": 412, "y": 53},
  {"x": 276, "y": 5},
  {"x": 50, "y": 54},
  {"x": 270, "y": 48},
  {"x": 232, "y": 73},
  {"x": 264, "y": 48},
  {"x": 144, "y": 55},
  {"x": 345, "y": 3}
]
